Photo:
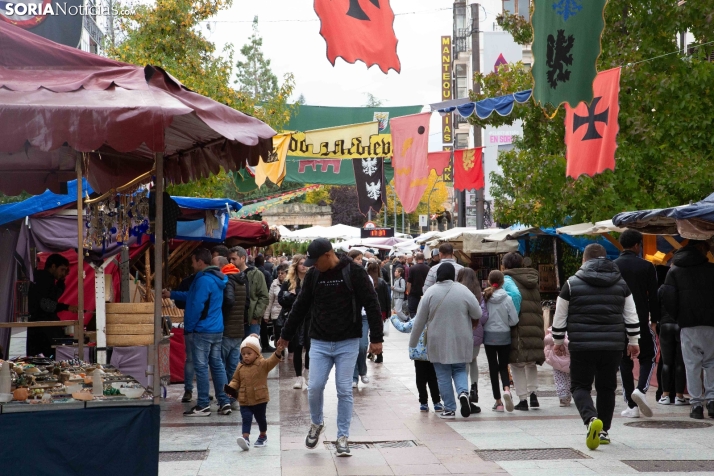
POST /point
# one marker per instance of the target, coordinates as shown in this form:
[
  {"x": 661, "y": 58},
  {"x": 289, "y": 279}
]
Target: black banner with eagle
[{"x": 371, "y": 186}]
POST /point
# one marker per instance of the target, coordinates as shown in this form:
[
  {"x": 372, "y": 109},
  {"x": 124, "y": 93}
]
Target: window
[
  {"x": 462, "y": 83},
  {"x": 524, "y": 9},
  {"x": 509, "y": 6},
  {"x": 462, "y": 141}
]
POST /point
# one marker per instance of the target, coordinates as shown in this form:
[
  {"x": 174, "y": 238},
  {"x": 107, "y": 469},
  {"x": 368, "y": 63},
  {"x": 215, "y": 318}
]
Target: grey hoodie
[{"x": 502, "y": 316}]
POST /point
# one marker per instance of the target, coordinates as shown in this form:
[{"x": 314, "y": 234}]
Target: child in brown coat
[{"x": 250, "y": 387}]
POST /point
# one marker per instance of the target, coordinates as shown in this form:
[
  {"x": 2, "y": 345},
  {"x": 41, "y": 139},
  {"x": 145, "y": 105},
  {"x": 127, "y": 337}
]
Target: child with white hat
[{"x": 250, "y": 387}]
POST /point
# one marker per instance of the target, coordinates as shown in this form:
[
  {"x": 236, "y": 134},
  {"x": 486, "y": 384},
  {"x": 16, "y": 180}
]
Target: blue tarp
[
  {"x": 207, "y": 203},
  {"x": 578, "y": 242},
  {"x": 664, "y": 220},
  {"x": 41, "y": 203}
]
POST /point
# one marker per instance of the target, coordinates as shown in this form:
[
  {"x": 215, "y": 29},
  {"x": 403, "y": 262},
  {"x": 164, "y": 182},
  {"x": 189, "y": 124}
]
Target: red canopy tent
[{"x": 68, "y": 113}]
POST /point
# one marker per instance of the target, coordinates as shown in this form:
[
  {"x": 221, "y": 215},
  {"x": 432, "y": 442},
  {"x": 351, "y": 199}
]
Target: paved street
[{"x": 387, "y": 411}]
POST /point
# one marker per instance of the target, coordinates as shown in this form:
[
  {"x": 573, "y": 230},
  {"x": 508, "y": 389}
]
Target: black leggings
[
  {"x": 672, "y": 361},
  {"x": 297, "y": 357},
  {"x": 498, "y": 357}
]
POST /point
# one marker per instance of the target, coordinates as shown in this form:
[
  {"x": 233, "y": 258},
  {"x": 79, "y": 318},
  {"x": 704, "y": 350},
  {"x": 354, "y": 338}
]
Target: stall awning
[
  {"x": 41, "y": 203},
  {"x": 605, "y": 226},
  {"x": 694, "y": 221}
]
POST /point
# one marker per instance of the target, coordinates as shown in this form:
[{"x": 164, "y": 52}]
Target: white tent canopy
[
  {"x": 512, "y": 233},
  {"x": 605, "y": 226},
  {"x": 335, "y": 232}
]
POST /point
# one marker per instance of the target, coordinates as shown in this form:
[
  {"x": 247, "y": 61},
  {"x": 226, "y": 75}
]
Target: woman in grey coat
[{"x": 448, "y": 310}]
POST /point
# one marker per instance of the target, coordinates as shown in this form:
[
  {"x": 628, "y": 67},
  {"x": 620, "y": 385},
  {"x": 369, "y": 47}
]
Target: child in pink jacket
[{"x": 561, "y": 369}]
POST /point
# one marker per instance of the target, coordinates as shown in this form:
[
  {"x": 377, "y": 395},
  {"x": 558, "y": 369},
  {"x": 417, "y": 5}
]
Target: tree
[
  {"x": 167, "y": 34},
  {"x": 344, "y": 206},
  {"x": 254, "y": 74},
  {"x": 434, "y": 201},
  {"x": 373, "y": 101},
  {"x": 665, "y": 143},
  {"x": 321, "y": 196},
  {"x": 301, "y": 100}
]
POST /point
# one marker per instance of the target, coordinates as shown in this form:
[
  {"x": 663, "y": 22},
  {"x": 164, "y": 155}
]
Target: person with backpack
[
  {"x": 333, "y": 293},
  {"x": 235, "y": 308}
]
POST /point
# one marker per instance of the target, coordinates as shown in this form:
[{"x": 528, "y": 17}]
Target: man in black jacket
[
  {"x": 641, "y": 277},
  {"x": 43, "y": 301},
  {"x": 596, "y": 309},
  {"x": 688, "y": 296},
  {"x": 333, "y": 293}
]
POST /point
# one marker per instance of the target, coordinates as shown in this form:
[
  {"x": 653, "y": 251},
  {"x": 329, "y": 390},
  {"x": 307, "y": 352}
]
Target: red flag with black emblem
[
  {"x": 359, "y": 30},
  {"x": 591, "y": 129}
]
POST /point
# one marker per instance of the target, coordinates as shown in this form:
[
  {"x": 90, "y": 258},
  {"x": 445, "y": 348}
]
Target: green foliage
[
  {"x": 5, "y": 199},
  {"x": 517, "y": 25},
  {"x": 321, "y": 196},
  {"x": 254, "y": 74},
  {"x": 167, "y": 34},
  {"x": 665, "y": 141}
]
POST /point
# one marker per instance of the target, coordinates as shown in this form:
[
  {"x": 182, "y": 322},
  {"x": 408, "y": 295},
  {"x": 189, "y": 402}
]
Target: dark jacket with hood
[
  {"x": 688, "y": 294},
  {"x": 595, "y": 315},
  {"x": 286, "y": 299},
  {"x": 334, "y": 309},
  {"x": 641, "y": 277},
  {"x": 236, "y": 303},
  {"x": 527, "y": 337}
]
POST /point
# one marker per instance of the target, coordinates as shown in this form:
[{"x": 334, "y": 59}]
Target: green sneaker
[{"x": 594, "y": 429}]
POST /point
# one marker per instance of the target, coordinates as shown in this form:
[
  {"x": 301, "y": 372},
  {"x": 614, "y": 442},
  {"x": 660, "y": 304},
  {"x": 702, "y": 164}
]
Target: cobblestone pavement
[{"x": 387, "y": 411}]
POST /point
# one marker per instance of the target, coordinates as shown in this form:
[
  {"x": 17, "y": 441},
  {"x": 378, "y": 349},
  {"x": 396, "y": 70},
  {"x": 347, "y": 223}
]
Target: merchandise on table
[{"x": 32, "y": 381}]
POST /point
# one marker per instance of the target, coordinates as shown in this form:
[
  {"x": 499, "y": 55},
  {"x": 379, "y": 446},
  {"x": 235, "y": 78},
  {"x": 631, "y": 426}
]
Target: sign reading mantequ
[
  {"x": 447, "y": 125},
  {"x": 377, "y": 232}
]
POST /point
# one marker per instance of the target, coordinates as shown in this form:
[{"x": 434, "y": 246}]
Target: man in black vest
[
  {"x": 596, "y": 309},
  {"x": 641, "y": 277}
]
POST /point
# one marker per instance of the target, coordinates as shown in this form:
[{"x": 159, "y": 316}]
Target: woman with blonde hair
[{"x": 289, "y": 292}]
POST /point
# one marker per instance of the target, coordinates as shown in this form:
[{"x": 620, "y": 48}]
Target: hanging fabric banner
[
  {"x": 336, "y": 138},
  {"x": 502, "y": 105},
  {"x": 566, "y": 45},
  {"x": 371, "y": 187},
  {"x": 439, "y": 161},
  {"x": 591, "y": 129},
  {"x": 326, "y": 171},
  {"x": 274, "y": 169},
  {"x": 377, "y": 146},
  {"x": 410, "y": 135},
  {"x": 468, "y": 169},
  {"x": 359, "y": 30}
]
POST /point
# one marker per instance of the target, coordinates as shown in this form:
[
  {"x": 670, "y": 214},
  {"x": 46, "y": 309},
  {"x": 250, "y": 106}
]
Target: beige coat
[{"x": 251, "y": 381}]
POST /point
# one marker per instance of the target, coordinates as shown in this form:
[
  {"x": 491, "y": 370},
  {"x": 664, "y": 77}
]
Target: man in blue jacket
[{"x": 203, "y": 319}]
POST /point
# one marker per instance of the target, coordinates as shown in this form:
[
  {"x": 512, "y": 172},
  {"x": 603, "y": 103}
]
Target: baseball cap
[
  {"x": 434, "y": 252},
  {"x": 316, "y": 249}
]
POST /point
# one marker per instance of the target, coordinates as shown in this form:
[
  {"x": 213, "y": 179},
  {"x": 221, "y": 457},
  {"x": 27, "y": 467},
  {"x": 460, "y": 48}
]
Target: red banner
[
  {"x": 468, "y": 169},
  {"x": 359, "y": 30},
  {"x": 410, "y": 136},
  {"x": 591, "y": 129}
]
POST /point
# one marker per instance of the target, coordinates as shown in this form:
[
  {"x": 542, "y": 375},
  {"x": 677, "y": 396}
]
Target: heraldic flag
[
  {"x": 439, "y": 161},
  {"x": 566, "y": 45},
  {"x": 359, "y": 30},
  {"x": 410, "y": 140},
  {"x": 591, "y": 129},
  {"x": 371, "y": 186},
  {"x": 468, "y": 169}
]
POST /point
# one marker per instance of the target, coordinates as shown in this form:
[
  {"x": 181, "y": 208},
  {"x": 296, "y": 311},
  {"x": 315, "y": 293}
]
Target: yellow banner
[
  {"x": 276, "y": 168},
  {"x": 378, "y": 146}
]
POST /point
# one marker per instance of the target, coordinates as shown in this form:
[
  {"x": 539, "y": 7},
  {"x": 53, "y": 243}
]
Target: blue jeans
[
  {"x": 323, "y": 356},
  {"x": 252, "y": 329},
  {"x": 230, "y": 353},
  {"x": 361, "y": 365},
  {"x": 188, "y": 372},
  {"x": 258, "y": 411},
  {"x": 445, "y": 373},
  {"x": 207, "y": 352}
]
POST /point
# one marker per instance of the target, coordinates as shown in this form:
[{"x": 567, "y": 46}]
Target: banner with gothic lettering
[
  {"x": 371, "y": 183},
  {"x": 566, "y": 45}
]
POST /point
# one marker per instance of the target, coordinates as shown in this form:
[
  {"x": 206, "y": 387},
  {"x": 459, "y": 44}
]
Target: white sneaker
[
  {"x": 641, "y": 400},
  {"x": 631, "y": 413},
  {"x": 678, "y": 402},
  {"x": 664, "y": 400},
  {"x": 298, "y": 383},
  {"x": 354, "y": 384},
  {"x": 508, "y": 401},
  {"x": 365, "y": 379}
]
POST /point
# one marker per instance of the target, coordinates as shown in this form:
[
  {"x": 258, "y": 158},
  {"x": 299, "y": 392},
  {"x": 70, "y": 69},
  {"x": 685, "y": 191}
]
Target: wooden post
[
  {"x": 555, "y": 254},
  {"x": 79, "y": 330},
  {"x": 147, "y": 271},
  {"x": 158, "y": 265}
]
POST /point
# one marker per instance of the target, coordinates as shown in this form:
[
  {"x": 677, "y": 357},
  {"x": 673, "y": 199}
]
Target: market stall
[{"x": 69, "y": 114}]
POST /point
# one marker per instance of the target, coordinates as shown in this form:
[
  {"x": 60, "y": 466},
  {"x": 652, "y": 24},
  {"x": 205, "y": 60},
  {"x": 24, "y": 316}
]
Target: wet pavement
[{"x": 390, "y": 436}]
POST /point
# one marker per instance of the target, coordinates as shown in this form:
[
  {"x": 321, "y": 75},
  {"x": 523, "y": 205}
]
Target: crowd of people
[{"x": 327, "y": 310}]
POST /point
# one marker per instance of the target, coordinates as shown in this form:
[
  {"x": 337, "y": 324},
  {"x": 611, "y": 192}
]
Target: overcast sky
[{"x": 296, "y": 46}]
